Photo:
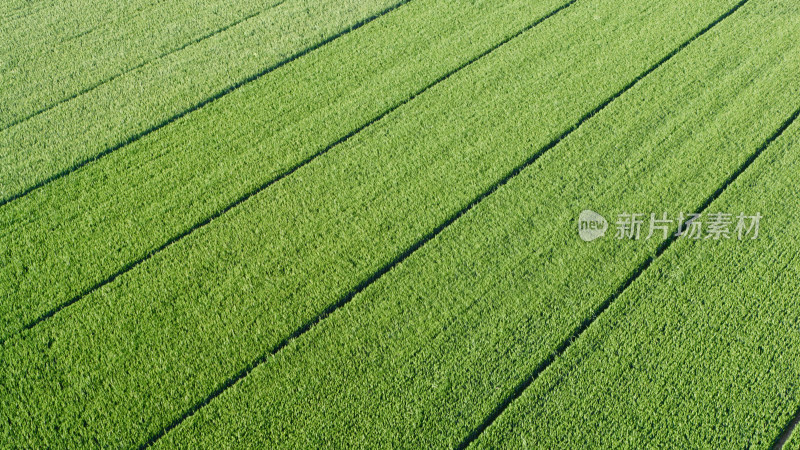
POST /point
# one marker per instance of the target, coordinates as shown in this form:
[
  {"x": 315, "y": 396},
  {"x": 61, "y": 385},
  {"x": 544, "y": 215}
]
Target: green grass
[
  {"x": 200, "y": 165},
  {"x": 29, "y": 24},
  {"x": 793, "y": 440},
  {"x": 144, "y": 99},
  {"x": 426, "y": 353},
  {"x": 63, "y": 50},
  {"x": 373, "y": 243},
  {"x": 708, "y": 333}
]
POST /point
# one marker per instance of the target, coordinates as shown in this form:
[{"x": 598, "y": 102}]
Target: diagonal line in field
[
  {"x": 432, "y": 234},
  {"x": 202, "y": 103},
  {"x": 361, "y": 286},
  {"x": 86, "y": 90},
  {"x": 576, "y": 334},
  {"x": 128, "y": 267},
  {"x": 17, "y": 13},
  {"x": 786, "y": 433}
]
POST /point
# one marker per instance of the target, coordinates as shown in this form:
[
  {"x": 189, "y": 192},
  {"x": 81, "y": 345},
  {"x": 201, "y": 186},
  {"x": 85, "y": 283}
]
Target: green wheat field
[{"x": 400, "y": 224}]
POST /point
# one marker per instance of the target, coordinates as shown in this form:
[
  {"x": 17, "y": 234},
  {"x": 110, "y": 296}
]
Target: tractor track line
[
  {"x": 131, "y": 265},
  {"x": 201, "y": 104},
  {"x": 375, "y": 276},
  {"x": 786, "y": 433},
  {"x": 520, "y": 388},
  {"x": 439, "y": 229},
  {"x": 134, "y": 68}
]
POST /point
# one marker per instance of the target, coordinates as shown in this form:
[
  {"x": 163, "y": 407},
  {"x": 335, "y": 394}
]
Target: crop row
[
  {"x": 41, "y": 70},
  {"x": 702, "y": 350},
  {"x": 35, "y": 26},
  {"x": 136, "y": 103},
  {"x": 424, "y": 355},
  {"x": 120, "y": 209},
  {"x": 159, "y": 340}
]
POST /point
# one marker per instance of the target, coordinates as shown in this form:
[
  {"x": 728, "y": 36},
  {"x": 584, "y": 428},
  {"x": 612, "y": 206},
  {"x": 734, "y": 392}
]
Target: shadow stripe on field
[
  {"x": 576, "y": 334},
  {"x": 200, "y": 104},
  {"x": 163, "y": 55},
  {"x": 431, "y": 235},
  {"x": 130, "y": 266}
]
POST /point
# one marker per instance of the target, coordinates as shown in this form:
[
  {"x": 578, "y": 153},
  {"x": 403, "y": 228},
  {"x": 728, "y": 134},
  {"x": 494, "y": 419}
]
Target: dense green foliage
[
  {"x": 166, "y": 183},
  {"x": 141, "y": 100},
  {"x": 354, "y": 225},
  {"x": 427, "y": 352},
  {"x": 702, "y": 350},
  {"x": 57, "y": 50}
]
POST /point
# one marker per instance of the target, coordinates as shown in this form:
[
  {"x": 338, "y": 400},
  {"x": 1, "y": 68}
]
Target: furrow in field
[
  {"x": 286, "y": 173},
  {"x": 113, "y": 77},
  {"x": 424, "y": 354},
  {"x": 138, "y": 353},
  {"x": 788, "y": 438},
  {"x": 111, "y": 116},
  {"x": 40, "y": 73},
  {"x": 519, "y": 390},
  {"x": 329, "y": 106},
  {"x": 15, "y": 13},
  {"x": 34, "y": 27},
  {"x": 701, "y": 350}
]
